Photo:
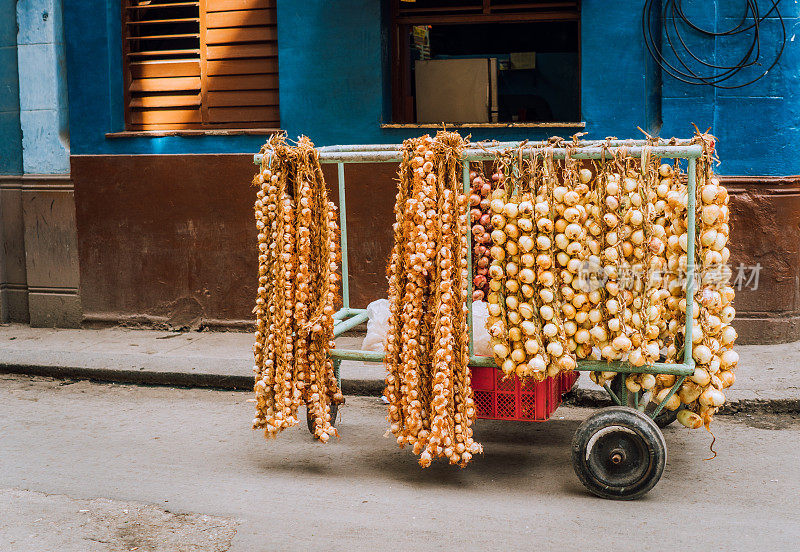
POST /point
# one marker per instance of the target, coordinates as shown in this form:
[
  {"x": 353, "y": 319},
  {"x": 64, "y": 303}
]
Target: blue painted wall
[
  {"x": 10, "y": 133},
  {"x": 334, "y": 86},
  {"x": 42, "y": 87}
]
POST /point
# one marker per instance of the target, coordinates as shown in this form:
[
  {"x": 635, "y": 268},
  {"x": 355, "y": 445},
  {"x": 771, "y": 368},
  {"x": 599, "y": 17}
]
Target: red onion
[
  {"x": 474, "y": 200},
  {"x": 486, "y": 189},
  {"x": 475, "y": 215},
  {"x": 477, "y": 295},
  {"x": 483, "y": 262},
  {"x": 478, "y": 231},
  {"x": 480, "y": 251},
  {"x": 486, "y": 237},
  {"x": 485, "y": 220},
  {"x": 484, "y": 271},
  {"x": 479, "y": 280},
  {"x": 485, "y": 202}
]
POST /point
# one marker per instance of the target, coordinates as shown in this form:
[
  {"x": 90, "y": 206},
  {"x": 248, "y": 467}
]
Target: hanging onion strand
[
  {"x": 298, "y": 285},
  {"x": 431, "y": 407}
]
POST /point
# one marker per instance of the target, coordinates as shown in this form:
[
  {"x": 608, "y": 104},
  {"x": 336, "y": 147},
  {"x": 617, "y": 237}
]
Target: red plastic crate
[{"x": 500, "y": 398}]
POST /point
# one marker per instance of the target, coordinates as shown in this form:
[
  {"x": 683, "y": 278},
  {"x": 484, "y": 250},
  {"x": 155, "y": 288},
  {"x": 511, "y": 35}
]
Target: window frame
[
  {"x": 491, "y": 11},
  {"x": 206, "y": 124}
]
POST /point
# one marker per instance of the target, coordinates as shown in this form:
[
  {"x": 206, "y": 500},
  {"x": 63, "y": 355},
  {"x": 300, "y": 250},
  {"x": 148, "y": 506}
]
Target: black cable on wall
[{"x": 687, "y": 66}]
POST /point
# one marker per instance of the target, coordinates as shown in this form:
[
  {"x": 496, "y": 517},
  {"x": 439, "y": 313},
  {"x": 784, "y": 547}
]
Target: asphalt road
[{"x": 88, "y": 467}]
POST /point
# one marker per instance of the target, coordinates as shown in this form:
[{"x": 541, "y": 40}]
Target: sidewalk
[{"x": 768, "y": 376}]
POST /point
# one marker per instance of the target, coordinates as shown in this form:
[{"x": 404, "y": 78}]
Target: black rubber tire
[
  {"x": 334, "y": 412},
  {"x": 614, "y": 432},
  {"x": 664, "y": 418}
]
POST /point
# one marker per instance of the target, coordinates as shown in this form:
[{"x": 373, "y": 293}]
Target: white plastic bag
[
  {"x": 378, "y": 327},
  {"x": 480, "y": 335}
]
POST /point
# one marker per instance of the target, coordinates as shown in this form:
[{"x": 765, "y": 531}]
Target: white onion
[
  {"x": 500, "y": 350},
  {"x": 728, "y": 335},
  {"x": 702, "y": 354},
  {"x": 550, "y": 330},
  {"x": 497, "y": 206},
  {"x": 498, "y": 237},
  {"x": 554, "y": 349},
  {"x": 729, "y": 359}
]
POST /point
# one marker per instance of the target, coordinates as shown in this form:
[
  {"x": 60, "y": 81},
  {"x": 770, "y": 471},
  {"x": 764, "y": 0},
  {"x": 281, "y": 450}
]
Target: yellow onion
[
  {"x": 729, "y": 359},
  {"x": 689, "y": 419},
  {"x": 712, "y": 397}
]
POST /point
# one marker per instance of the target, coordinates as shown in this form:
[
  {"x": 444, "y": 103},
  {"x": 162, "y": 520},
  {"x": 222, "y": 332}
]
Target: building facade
[
  {"x": 39, "y": 266},
  {"x": 158, "y": 146}
]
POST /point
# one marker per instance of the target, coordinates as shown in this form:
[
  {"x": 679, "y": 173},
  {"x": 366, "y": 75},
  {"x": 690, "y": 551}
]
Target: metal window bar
[{"x": 348, "y": 318}]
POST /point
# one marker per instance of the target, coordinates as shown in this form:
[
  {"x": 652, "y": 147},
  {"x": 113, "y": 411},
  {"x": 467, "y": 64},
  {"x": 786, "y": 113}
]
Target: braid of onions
[
  {"x": 298, "y": 286},
  {"x": 589, "y": 261},
  {"x": 431, "y": 406}
]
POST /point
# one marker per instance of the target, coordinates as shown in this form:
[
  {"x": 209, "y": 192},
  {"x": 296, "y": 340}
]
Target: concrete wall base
[
  {"x": 755, "y": 330},
  {"x": 39, "y": 276}
]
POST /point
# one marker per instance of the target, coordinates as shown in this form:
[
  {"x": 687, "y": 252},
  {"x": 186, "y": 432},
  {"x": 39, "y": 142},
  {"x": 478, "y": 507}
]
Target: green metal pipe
[
  {"x": 613, "y": 395},
  {"x": 625, "y": 368},
  {"x": 623, "y": 395},
  {"x": 349, "y": 324},
  {"x": 668, "y": 397},
  {"x": 493, "y": 146},
  {"x": 483, "y": 361},
  {"x": 353, "y": 354},
  {"x": 343, "y": 238},
  {"x": 340, "y": 314},
  {"x": 642, "y": 406},
  {"x": 594, "y": 152}
]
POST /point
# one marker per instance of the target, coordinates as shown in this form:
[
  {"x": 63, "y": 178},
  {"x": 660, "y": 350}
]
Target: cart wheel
[
  {"x": 664, "y": 418},
  {"x": 334, "y": 412},
  {"x": 619, "y": 453}
]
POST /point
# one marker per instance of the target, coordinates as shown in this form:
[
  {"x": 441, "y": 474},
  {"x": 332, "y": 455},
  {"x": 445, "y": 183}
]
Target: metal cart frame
[{"x": 348, "y": 318}]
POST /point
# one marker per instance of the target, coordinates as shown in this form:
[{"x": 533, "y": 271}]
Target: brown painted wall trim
[
  {"x": 774, "y": 185},
  {"x": 790, "y": 180},
  {"x": 163, "y": 322},
  {"x": 168, "y": 241}
]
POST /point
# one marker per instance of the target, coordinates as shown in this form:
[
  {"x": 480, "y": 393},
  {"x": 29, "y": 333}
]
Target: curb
[
  {"x": 170, "y": 379},
  {"x": 372, "y": 388}
]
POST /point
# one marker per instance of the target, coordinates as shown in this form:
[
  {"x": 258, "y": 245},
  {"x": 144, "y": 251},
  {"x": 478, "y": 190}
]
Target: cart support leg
[
  {"x": 642, "y": 406},
  {"x": 337, "y": 373},
  {"x": 623, "y": 390},
  {"x": 343, "y": 238},
  {"x": 612, "y": 394},
  {"x": 668, "y": 397}
]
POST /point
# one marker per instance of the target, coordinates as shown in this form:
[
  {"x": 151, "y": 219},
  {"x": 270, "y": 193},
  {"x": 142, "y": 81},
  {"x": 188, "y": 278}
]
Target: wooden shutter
[
  {"x": 201, "y": 64},
  {"x": 162, "y": 51},
  {"x": 240, "y": 43}
]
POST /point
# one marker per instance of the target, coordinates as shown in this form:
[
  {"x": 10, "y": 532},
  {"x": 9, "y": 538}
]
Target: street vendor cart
[{"x": 619, "y": 451}]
